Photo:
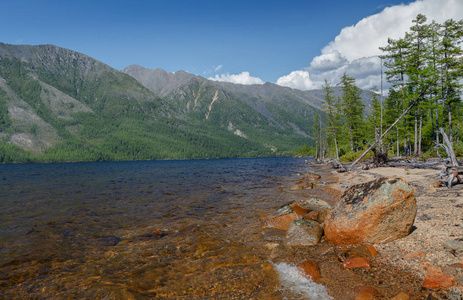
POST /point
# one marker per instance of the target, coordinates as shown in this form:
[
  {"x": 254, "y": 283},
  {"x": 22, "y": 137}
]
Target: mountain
[{"x": 60, "y": 105}]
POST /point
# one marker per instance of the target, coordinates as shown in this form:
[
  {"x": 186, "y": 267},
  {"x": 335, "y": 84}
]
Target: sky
[{"x": 292, "y": 43}]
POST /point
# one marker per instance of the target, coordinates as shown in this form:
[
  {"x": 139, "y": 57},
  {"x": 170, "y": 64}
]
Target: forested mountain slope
[{"x": 60, "y": 105}]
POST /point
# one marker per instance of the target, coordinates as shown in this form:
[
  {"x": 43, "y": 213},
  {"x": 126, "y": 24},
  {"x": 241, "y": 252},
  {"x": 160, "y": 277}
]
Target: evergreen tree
[
  {"x": 352, "y": 108},
  {"x": 332, "y": 110}
]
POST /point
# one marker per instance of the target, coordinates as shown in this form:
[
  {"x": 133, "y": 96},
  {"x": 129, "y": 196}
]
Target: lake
[{"x": 185, "y": 229}]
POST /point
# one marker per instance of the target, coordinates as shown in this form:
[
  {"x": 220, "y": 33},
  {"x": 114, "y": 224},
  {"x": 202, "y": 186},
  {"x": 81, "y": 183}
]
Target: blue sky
[{"x": 215, "y": 39}]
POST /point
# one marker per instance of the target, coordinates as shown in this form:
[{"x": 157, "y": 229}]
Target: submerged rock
[
  {"x": 303, "y": 233},
  {"x": 379, "y": 211},
  {"x": 311, "y": 269},
  {"x": 274, "y": 235},
  {"x": 109, "y": 240}
]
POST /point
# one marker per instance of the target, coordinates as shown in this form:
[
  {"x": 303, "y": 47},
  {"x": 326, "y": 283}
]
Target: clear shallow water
[{"x": 141, "y": 230}]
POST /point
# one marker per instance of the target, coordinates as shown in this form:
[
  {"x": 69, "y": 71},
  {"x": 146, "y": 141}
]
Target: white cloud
[
  {"x": 354, "y": 51},
  {"x": 327, "y": 61},
  {"x": 364, "y": 38},
  {"x": 297, "y": 80},
  {"x": 218, "y": 68},
  {"x": 243, "y": 78}
]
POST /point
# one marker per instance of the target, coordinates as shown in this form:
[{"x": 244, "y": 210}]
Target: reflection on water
[{"x": 136, "y": 230}]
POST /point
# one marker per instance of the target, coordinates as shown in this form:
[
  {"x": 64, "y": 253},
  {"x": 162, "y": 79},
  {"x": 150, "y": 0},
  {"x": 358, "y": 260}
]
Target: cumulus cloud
[
  {"x": 364, "y": 38},
  {"x": 243, "y": 78},
  {"x": 297, "y": 80},
  {"x": 355, "y": 50},
  {"x": 327, "y": 61}
]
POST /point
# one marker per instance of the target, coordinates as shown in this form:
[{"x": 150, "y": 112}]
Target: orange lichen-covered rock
[
  {"x": 374, "y": 212},
  {"x": 358, "y": 251},
  {"x": 401, "y": 296},
  {"x": 365, "y": 293},
  {"x": 436, "y": 279},
  {"x": 280, "y": 219},
  {"x": 311, "y": 269},
  {"x": 298, "y": 209},
  {"x": 357, "y": 262}
]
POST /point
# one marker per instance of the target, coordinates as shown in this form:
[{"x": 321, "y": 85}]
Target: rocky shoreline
[{"x": 425, "y": 264}]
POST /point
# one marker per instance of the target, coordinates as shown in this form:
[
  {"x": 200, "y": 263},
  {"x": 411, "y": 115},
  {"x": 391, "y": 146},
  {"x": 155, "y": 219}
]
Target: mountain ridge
[{"x": 60, "y": 105}]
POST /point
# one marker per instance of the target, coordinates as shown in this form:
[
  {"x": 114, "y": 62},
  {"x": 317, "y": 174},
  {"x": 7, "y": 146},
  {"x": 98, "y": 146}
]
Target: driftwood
[
  {"x": 453, "y": 168},
  {"x": 412, "y": 165}
]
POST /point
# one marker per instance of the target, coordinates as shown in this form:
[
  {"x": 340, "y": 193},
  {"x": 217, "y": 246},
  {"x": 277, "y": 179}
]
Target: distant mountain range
[{"x": 60, "y": 105}]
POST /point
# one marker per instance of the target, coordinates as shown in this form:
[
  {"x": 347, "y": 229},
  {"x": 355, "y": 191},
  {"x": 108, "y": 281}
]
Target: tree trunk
[
  {"x": 335, "y": 141},
  {"x": 450, "y": 124},
  {"x": 419, "y": 135},
  {"x": 398, "y": 144},
  {"x": 415, "y": 150},
  {"x": 351, "y": 139},
  {"x": 437, "y": 126},
  {"x": 449, "y": 149},
  {"x": 432, "y": 123}
]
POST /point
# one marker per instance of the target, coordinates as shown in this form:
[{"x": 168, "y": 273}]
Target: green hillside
[{"x": 60, "y": 105}]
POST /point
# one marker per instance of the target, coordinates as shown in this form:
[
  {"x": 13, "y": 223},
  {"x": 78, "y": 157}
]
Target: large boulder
[{"x": 379, "y": 211}]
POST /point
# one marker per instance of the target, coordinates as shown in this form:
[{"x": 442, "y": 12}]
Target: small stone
[
  {"x": 311, "y": 269},
  {"x": 455, "y": 246},
  {"x": 313, "y": 204},
  {"x": 298, "y": 210},
  {"x": 313, "y": 215},
  {"x": 436, "y": 279},
  {"x": 109, "y": 240},
  {"x": 278, "y": 251},
  {"x": 365, "y": 293},
  {"x": 401, "y": 296},
  {"x": 280, "y": 219},
  {"x": 454, "y": 296},
  {"x": 303, "y": 233},
  {"x": 322, "y": 214},
  {"x": 436, "y": 184},
  {"x": 357, "y": 262},
  {"x": 296, "y": 187},
  {"x": 415, "y": 254},
  {"x": 372, "y": 250},
  {"x": 433, "y": 296},
  {"x": 313, "y": 176},
  {"x": 358, "y": 251},
  {"x": 456, "y": 265}
]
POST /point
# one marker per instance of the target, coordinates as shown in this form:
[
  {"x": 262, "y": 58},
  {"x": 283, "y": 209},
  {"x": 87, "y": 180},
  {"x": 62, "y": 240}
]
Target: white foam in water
[{"x": 293, "y": 281}]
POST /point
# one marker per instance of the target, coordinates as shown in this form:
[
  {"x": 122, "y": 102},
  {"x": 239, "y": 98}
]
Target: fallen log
[{"x": 412, "y": 165}]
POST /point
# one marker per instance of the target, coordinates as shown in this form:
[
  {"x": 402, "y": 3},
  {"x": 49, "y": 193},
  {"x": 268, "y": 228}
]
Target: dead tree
[
  {"x": 384, "y": 133},
  {"x": 453, "y": 169}
]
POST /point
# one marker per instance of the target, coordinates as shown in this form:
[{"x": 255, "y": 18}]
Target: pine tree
[
  {"x": 332, "y": 110},
  {"x": 352, "y": 108},
  {"x": 451, "y": 66}
]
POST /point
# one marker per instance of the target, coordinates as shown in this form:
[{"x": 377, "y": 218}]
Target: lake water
[{"x": 142, "y": 230}]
